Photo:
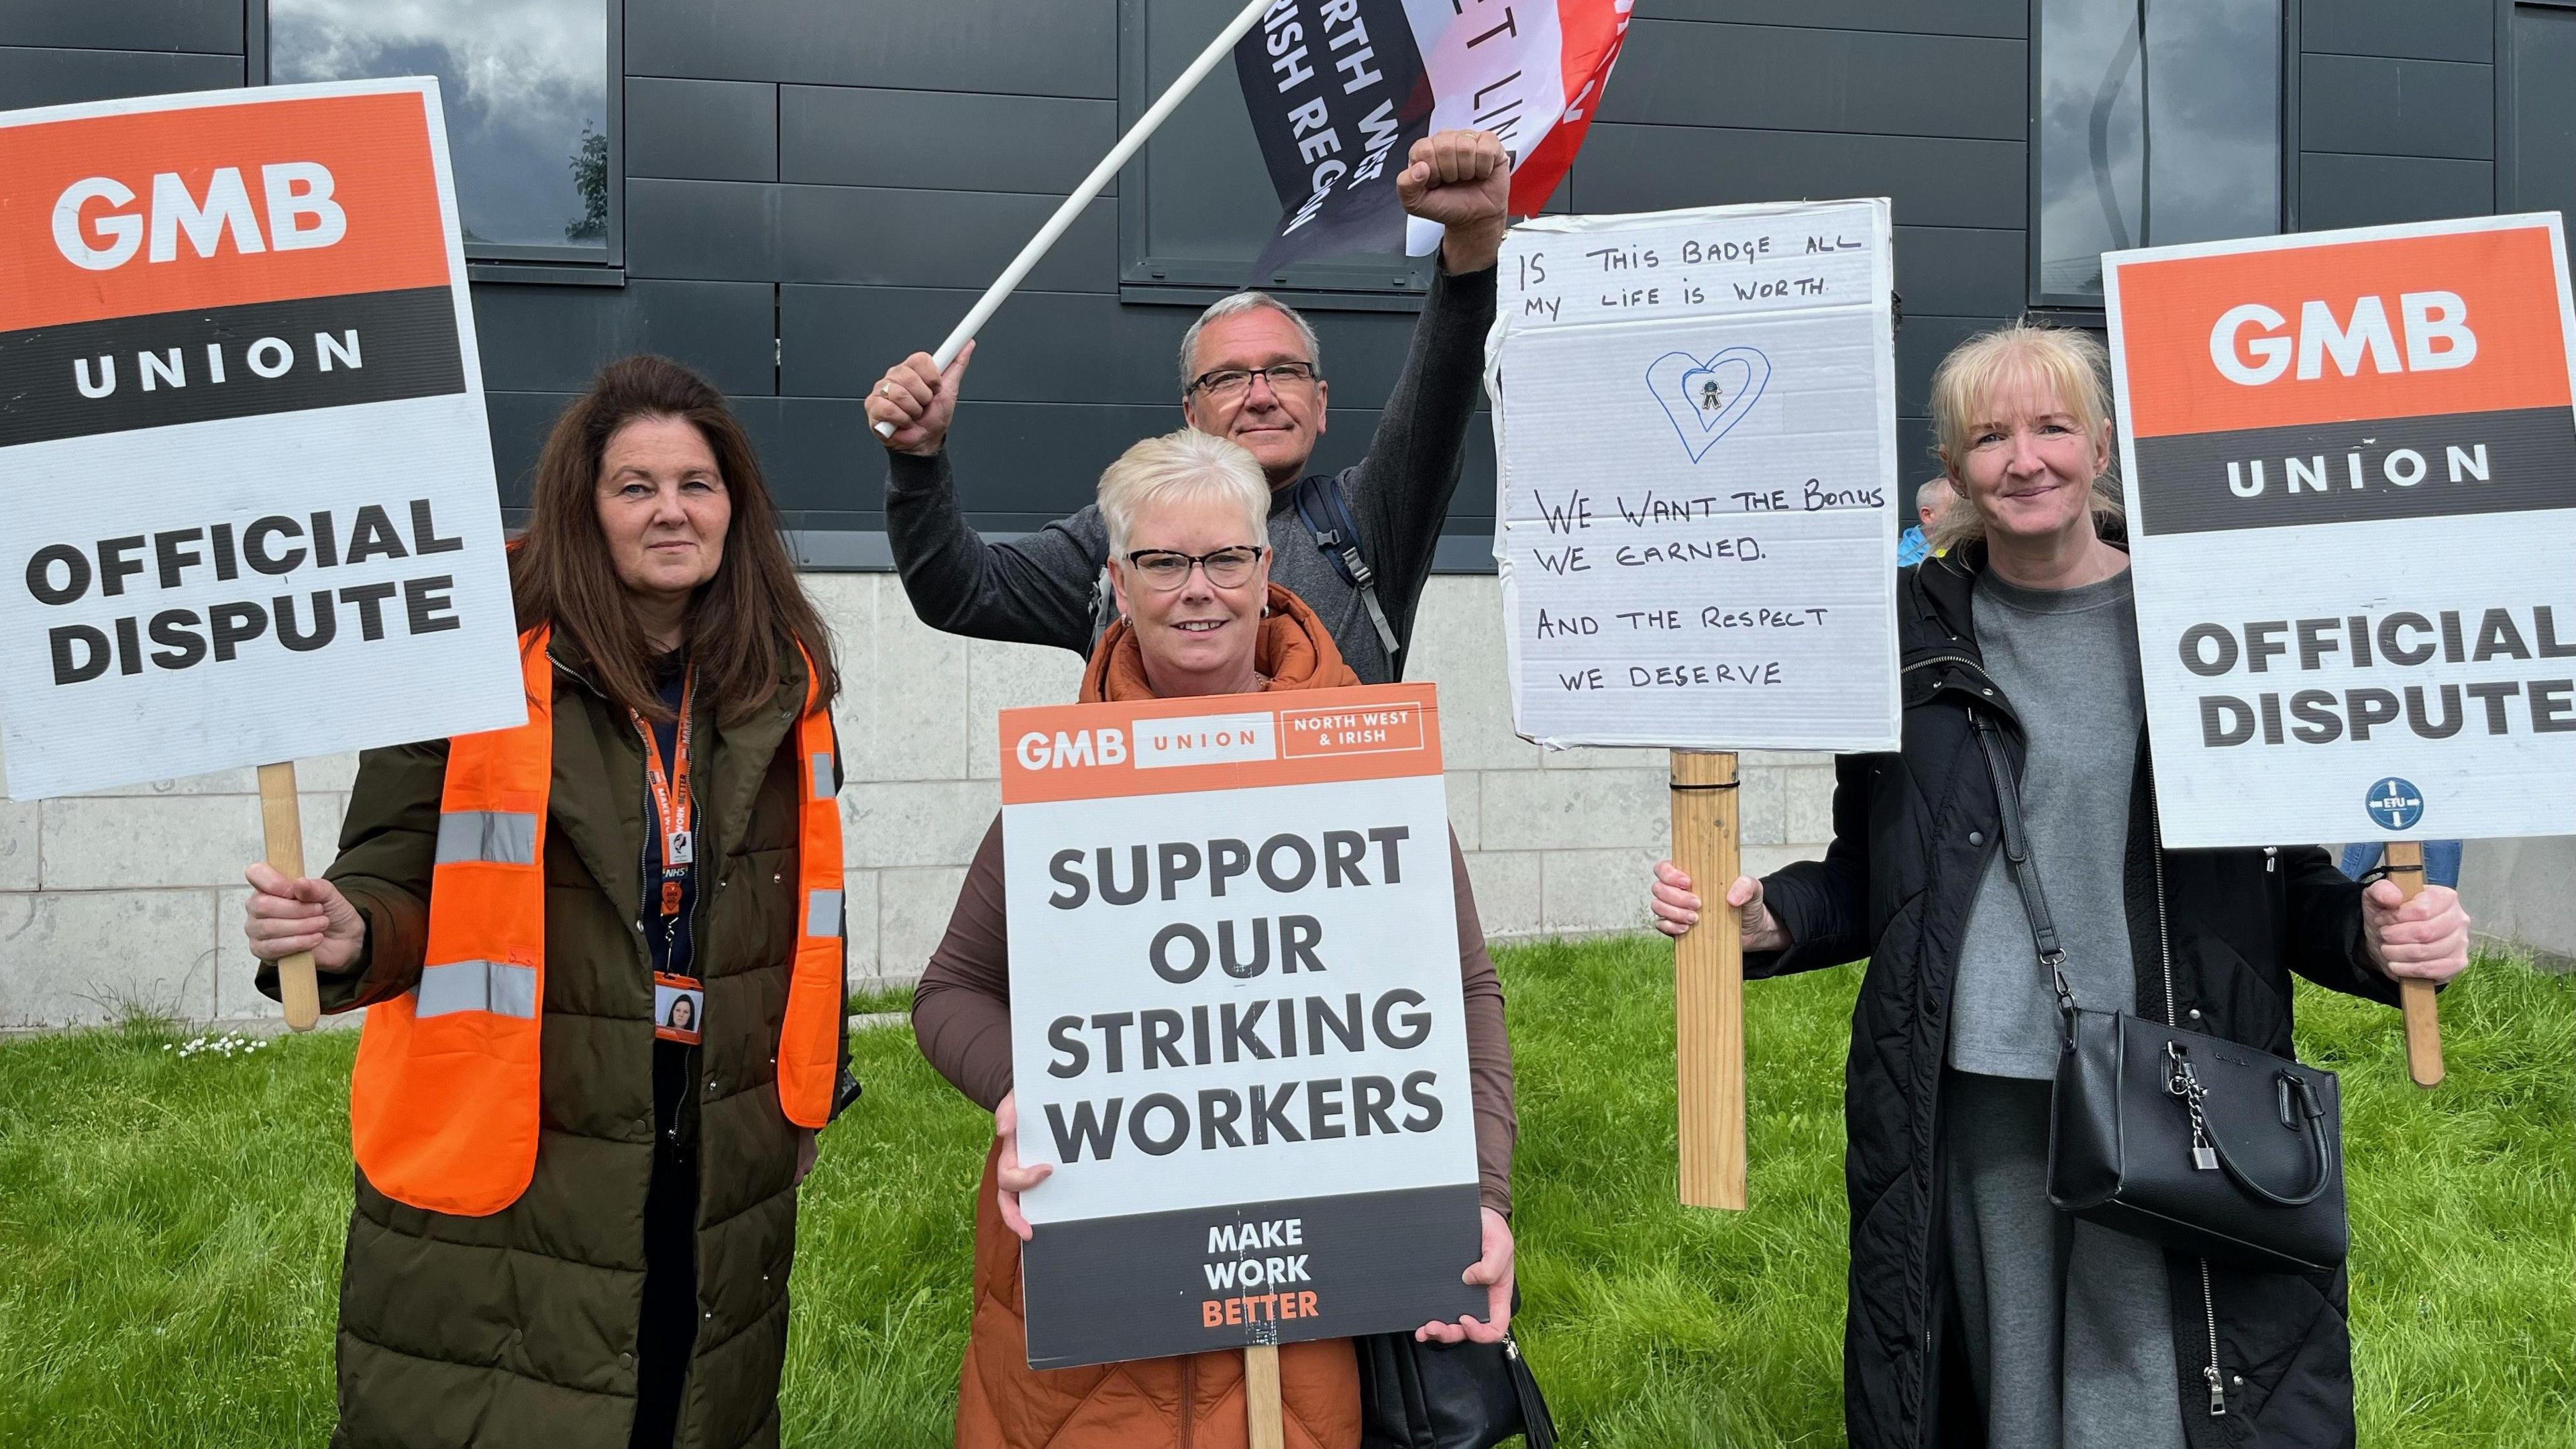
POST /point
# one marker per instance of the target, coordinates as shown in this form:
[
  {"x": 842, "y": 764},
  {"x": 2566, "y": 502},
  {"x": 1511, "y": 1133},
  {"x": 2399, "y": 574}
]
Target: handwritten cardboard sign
[
  {"x": 2350, "y": 460},
  {"x": 1237, "y": 1028},
  {"x": 1695, "y": 413},
  {"x": 251, "y": 507}
]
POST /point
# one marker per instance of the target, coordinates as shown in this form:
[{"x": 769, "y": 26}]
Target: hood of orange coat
[{"x": 1294, "y": 650}]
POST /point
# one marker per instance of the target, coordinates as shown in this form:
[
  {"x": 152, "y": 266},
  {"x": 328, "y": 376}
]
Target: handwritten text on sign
[{"x": 1695, "y": 413}]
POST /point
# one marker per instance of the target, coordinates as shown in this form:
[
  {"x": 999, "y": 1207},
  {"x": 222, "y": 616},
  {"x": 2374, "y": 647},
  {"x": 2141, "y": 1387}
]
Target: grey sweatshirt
[
  {"x": 2047, "y": 650},
  {"x": 1037, "y": 589}
]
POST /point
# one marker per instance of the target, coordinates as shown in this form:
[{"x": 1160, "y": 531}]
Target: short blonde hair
[
  {"x": 2072, "y": 364},
  {"x": 1183, "y": 465}
]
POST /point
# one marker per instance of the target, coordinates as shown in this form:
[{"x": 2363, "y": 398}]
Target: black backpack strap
[
  {"x": 1104, "y": 609},
  {"x": 1104, "y": 603},
  {"x": 1327, "y": 517}
]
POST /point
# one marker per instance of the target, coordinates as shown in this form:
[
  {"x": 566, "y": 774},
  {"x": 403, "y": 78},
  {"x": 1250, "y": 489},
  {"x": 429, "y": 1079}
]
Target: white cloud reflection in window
[
  {"x": 2214, "y": 130},
  {"x": 524, "y": 84}
]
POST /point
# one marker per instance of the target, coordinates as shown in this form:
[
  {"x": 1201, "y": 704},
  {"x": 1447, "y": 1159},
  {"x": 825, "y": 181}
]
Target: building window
[
  {"x": 2542, "y": 134},
  {"x": 1197, "y": 206},
  {"x": 2178, "y": 140},
  {"x": 532, "y": 130}
]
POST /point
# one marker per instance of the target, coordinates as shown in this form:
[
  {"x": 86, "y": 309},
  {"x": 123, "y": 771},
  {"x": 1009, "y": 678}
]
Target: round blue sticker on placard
[{"x": 2394, "y": 804}]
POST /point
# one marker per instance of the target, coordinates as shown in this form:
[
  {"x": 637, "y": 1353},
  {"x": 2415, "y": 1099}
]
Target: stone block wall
[{"x": 131, "y": 899}]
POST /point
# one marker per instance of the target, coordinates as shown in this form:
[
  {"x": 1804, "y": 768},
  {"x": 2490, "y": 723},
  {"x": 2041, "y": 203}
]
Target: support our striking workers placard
[
  {"x": 1695, "y": 420},
  {"x": 250, "y": 501},
  {"x": 2350, "y": 464},
  {"x": 1236, "y": 1022}
]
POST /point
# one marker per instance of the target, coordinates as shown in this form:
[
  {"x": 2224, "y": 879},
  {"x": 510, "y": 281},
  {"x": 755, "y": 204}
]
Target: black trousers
[{"x": 670, "y": 1323}]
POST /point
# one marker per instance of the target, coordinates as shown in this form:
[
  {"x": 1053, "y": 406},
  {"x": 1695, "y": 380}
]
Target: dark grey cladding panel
[
  {"x": 2544, "y": 57},
  {"x": 715, "y": 230},
  {"x": 819, "y": 455},
  {"x": 519, "y": 422},
  {"x": 898, "y": 238},
  {"x": 1917, "y": 461},
  {"x": 1956, "y": 271},
  {"x": 1475, "y": 496},
  {"x": 2008, "y": 18},
  {"x": 213, "y": 26},
  {"x": 1770, "y": 77},
  {"x": 1076, "y": 347},
  {"x": 33, "y": 77},
  {"x": 941, "y": 140},
  {"x": 1052, "y": 47},
  {"x": 1920, "y": 346},
  {"x": 701, "y": 130},
  {"x": 2337, "y": 191},
  {"x": 2423, "y": 29},
  {"x": 540, "y": 339},
  {"x": 2371, "y": 106},
  {"x": 1471, "y": 508},
  {"x": 1934, "y": 182}
]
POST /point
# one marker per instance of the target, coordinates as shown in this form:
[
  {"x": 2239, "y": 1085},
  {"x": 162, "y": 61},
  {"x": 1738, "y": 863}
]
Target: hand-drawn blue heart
[{"x": 1705, "y": 400}]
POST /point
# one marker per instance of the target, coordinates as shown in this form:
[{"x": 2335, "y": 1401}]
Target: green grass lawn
[{"x": 172, "y": 1226}]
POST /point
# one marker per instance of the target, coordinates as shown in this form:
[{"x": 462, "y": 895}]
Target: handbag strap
[
  {"x": 1538, "y": 1426},
  {"x": 2183, "y": 1082},
  {"x": 2016, "y": 847}
]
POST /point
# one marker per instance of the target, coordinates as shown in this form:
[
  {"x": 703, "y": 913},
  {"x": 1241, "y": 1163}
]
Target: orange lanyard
[{"x": 671, "y": 791}]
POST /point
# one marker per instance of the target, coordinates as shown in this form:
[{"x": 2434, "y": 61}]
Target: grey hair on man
[{"x": 1245, "y": 301}]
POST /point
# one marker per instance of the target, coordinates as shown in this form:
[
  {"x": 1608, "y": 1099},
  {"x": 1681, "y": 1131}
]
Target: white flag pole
[{"x": 1118, "y": 156}]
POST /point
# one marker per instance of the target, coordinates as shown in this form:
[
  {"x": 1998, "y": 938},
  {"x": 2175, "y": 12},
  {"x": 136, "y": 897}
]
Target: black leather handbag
[
  {"x": 2203, "y": 1145},
  {"x": 1448, "y": 1395}
]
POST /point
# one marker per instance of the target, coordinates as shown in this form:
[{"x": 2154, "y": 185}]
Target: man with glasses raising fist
[{"x": 1250, "y": 371}]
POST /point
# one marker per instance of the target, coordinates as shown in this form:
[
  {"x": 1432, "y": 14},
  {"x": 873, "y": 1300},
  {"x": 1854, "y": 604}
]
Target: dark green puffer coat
[{"x": 520, "y": 1328}]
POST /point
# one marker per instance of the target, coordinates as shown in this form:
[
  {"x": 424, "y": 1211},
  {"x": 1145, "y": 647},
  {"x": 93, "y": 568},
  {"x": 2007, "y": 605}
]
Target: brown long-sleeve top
[{"x": 961, "y": 1012}]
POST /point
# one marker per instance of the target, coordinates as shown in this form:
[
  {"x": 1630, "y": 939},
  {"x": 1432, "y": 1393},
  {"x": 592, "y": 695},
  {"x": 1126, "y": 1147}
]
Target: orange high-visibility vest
[{"x": 443, "y": 1103}]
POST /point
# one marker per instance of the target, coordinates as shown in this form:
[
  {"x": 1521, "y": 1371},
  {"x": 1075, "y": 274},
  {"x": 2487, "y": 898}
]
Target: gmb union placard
[
  {"x": 2350, "y": 465},
  {"x": 249, "y": 493},
  {"x": 1236, "y": 1022}
]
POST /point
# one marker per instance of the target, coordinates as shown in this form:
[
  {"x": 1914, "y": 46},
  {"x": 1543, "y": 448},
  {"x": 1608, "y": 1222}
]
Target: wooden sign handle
[
  {"x": 1261, "y": 1397},
  {"x": 2405, "y": 861},
  {"x": 284, "y": 829},
  {"x": 1708, "y": 984}
]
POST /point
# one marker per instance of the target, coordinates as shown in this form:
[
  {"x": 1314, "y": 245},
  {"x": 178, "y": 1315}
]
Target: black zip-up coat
[{"x": 2216, "y": 934}]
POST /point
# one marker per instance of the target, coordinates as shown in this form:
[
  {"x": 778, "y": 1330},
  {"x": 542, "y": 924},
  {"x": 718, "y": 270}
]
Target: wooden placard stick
[
  {"x": 1261, "y": 1397},
  {"x": 283, "y": 826},
  {"x": 1708, "y": 984},
  {"x": 2405, "y": 862}
]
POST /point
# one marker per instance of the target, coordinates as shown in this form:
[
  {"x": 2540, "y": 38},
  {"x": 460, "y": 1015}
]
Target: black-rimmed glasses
[
  {"x": 1227, "y": 383},
  {"x": 1164, "y": 570}
]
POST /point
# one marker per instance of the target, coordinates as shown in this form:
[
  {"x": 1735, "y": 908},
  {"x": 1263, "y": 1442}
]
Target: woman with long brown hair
[{"x": 574, "y": 1219}]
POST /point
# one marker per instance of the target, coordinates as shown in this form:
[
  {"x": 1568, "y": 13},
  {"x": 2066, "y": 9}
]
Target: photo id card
[{"x": 679, "y": 1007}]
